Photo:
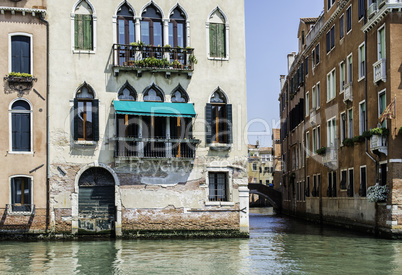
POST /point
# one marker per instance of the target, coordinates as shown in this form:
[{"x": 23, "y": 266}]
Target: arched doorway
[{"x": 96, "y": 202}]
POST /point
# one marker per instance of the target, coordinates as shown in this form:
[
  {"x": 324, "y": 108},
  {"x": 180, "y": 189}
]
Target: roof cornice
[{"x": 23, "y": 11}]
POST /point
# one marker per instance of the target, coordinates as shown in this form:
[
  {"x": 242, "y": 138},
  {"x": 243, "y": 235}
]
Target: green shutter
[
  {"x": 208, "y": 126},
  {"x": 79, "y": 30},
  {"x": 76, "y": 24},
  {"x": 221, "y": 40},
  {"x": 76, "y": 118},
  {"x": 87, "y": 32},
  {"x": 229, "y": 123},
  {"x": 212, "y": 40},
  {"x": 95, "y": 118}
]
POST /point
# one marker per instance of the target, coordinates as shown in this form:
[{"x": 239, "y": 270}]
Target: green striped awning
[{"x": 165, "y": 109}]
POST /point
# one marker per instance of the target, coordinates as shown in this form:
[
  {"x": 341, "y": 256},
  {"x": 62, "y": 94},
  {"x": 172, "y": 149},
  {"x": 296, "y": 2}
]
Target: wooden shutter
[
  {"x": 21, "y": 132},
  {"x": 221, "y": 40},
  {"x": 213, "y": 40},
  {"x": 76, "y": 118},
  {"x": 87, "y": 32},
  {"x": 78, "y": 32},
  {"x": 95, "y": 118},
  {"x": 208, "y": 126},
  {"x": 21, "y": 54},
  {"x": 229, "y": 123}
]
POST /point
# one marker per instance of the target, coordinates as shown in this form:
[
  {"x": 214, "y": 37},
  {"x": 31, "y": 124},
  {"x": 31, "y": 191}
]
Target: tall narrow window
[
  {"x": 343, "y": 184},
  {"x": 342, "y": 76},
  {"x": 125, "y": 25},
  {"x": 151, "y": 26},
  {"x": 363, "y": 182},
  {"x": 86, "y": 118},
  {"x": 331, "y": 132},
  {"x": 362, "y": 8},
  {"x": 343, "y": 127},
  {"x": 317, "y": 54},
  {"x": 21, "y": 54},
  {"x": 314, "y": 141},
  {"x": 331, "y": 39},
  {"x": 219, "y": 119},
  {"x": 217, "y": 35},
  {"x": 21, "y": 194},
  {"x": 381, "y": 43},
  {"x": 362, "y": 118},
  {"x": 21, "y": 126},
  {"x": 362, "y": 61},
  {"x": 83, "y": 27},
  {"x": 382, "y": 104},
  {"x": 350, "y": 69},
  {"x": 218, "y": 186},
  {"x": 350, "y": 123},
  {"x": 318, "y": 137},
  {"x": 331, "y": 86},
  {"x": 307, "y": 104},
  {"x": 318, "y": 93},
  {"x": 177, "y": 29},
  {"x": 351, "y": 188},
  {"x": 349, "y": 19},
  {"x": 341, "y": 26},
  {"x": 308, "y": 144}
]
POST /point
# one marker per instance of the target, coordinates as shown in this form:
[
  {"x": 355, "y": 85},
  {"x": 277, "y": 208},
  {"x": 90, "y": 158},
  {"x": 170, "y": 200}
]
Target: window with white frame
[
  {"x": 21, "y": 194},
  {"x": 21, "y": 127},
  {"x": 308, "y": 144},
  {"x": 349, "y": 63},
  {"x": 382, "y": 104},
  {"x": 218, "y": 189},
  {"x": 341, "y": 26},
  {"x": 343, "y": 184},
  {"x": 342, "y": 79},
  {"x": 307, "y": 104},
  {"x": 362, "y": 61},
  {"x": 351, "y": 188},
  {"x": 83, "y": 27},
  {"x": 363, "y": 181},
  {"x": 20, "y": 60},
  {"x": 381, "y": 50},
  {"x": 318, "y": 137},
  {"x": 331, "y": 39},
  {"x": 254, "y": 166},
  {"x": 331, "y": 86},
  {"x": 350, "y": 123},
  {"x": 349, "y": 19},
  {"x": 331, "y": 132},
  {"x": 313, "y": 98},
  {"x": 318, "y": 94},
  {"x": 217, "y": 35},
  {"x": 317, "y": 54},
  {"x": 343, "y": 127},
  {"x": 314, "y": 140},
  {"x": 362, "y": 117}
]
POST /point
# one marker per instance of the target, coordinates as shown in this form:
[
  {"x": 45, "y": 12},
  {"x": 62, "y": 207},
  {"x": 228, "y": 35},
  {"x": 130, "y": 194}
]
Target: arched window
[
  {"x": 127, "y": 92},
  {"x": 219, "y": 119},
  {"x": 217, "y": 36},
  {"x": 21, "y": 126},
  {"x": 21, "y": 61},
  {"x": 179, "y": 95},
  {"x": 21, "y": 194},
  {"x": 177, "y": 28},
  {"x": 125, "y": 25},
  {"x": 83, "y": 27},
  {"x": 153, "y": 94},
  {"x": 151, "y": 26},
  {"x": 86, "y": 117}
]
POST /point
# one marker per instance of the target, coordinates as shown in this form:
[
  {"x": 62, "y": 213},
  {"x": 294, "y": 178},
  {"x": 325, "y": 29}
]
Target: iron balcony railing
[
  {"x": 155, "y": 148},
  {"x": 153, "y": 57}
]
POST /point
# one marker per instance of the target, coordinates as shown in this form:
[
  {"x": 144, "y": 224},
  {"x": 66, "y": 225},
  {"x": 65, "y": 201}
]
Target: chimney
[
  {"x": 282, "y": 79},
  {"x": 257, "y": 143},
  {"x": 291, "y": 59}
]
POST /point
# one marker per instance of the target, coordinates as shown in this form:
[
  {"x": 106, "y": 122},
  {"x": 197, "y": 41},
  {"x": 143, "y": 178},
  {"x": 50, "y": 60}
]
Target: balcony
[
  {"x": 330, "y": 158},
  {"x": 348, "y": 93},
  {"x": 372, "y": 10},
  {"x": 378, "y": 10},
  {"x": 154, "y": 148},
  {"x": 380, "y": 71},
  {"x": 379, "y": 144},
  {"x": 153, "y": 59}
]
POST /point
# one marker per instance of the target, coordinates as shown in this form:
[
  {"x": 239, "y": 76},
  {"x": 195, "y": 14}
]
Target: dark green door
[{"x": 96, "y": 202}]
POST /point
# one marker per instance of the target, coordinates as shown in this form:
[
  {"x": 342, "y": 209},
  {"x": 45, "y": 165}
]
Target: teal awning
[{"x": 154, "y": 108}]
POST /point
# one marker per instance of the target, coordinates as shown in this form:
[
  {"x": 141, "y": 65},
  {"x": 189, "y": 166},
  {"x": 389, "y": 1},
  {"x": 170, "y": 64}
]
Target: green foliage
[
  {"x": 137, "y": 44},
  {"x": 348, "y": 142},
  {"x": 192, "y": 59},
  {"x": 358, "y": 139},
  {"x": 379, "y": 131},
  {"x": 321, "y": 151},
  {"x": 152, "y": 62},
  {"x": 16, "y": 74},
  {"x": 167, "y": 46},
  {"x": 367, "y": 134}
]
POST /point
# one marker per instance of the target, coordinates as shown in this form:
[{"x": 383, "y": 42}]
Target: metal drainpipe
[{"x": 47, "y": 123}]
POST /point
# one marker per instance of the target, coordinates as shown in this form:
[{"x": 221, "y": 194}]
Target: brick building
[{"x": 345, "y": 74}]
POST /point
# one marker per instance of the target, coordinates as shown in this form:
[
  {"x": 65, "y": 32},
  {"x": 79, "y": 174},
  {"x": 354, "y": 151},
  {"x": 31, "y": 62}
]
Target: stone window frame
[
  {"x": 10, "y": 112},
  {"x": 20, "y": 213},
  {"x": 227, "y": 37},
  {"x": 341, "y": 123},
  {"x": 362, "y": 71},
  {"x": 10, "y": 63},
  {"x": 332, "y": 125},
  {"x": 229, "y": 185},
  {"x": 94, "y": 28},
  {"x": 380, "y": 93}
]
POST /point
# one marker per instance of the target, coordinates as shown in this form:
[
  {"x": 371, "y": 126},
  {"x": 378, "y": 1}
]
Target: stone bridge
[{"x": 273, "y": 196}]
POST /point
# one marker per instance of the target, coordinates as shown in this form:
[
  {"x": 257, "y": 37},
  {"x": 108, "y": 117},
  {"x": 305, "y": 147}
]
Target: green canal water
[{"x": 277, "y": 245}]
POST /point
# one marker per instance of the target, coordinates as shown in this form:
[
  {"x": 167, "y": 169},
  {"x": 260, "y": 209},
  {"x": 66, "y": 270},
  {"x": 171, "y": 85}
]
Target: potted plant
[
  {"x": 348, "y": 142},
  {"x": 380, "y": 131},
  {"x": 19, "y": 77},
  {"x": 192, "y": 59},
  {"x": 321, "y": 151},
  {"x": 377, "y": 193}
]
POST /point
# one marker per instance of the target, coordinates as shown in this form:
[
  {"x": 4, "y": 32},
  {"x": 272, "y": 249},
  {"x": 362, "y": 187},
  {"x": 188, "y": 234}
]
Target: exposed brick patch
[
  {"x": 62, "y": 220},
  {"x": 23, "y": 223}
]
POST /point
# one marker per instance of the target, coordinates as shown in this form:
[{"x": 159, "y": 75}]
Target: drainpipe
[{"x": 47, "y": 123}]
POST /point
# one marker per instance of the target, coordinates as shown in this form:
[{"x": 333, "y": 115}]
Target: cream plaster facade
[{"x": 179, "y": 187}]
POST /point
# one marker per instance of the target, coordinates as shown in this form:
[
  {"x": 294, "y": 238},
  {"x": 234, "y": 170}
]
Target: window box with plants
[
  {"x": 321, "y": 151},
  {"x": 19, "y": 77},
  {"x": 378, "y": 140}
]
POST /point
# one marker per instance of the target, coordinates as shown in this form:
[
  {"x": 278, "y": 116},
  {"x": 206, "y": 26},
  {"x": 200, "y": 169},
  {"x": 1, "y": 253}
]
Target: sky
[{"x": 271, "y": 34}]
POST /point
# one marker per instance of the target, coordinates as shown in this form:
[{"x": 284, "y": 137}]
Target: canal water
[{"x": 277, "y": 245}]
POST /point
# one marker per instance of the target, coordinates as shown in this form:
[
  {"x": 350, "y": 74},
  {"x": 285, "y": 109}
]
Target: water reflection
[{"x": 276, "y": 245}]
